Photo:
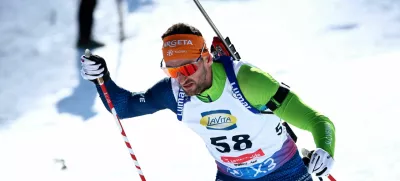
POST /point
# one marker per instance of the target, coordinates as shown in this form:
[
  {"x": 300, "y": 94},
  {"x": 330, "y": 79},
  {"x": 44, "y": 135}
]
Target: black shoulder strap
[
  {"x": 276, "y": 102},
  {"x": 279, "y": 97}
]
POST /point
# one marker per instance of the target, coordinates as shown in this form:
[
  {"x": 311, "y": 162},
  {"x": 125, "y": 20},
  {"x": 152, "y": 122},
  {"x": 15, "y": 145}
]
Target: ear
[{"x": 208, "y": 60}]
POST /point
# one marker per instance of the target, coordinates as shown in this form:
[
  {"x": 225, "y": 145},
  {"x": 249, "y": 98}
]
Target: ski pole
[
  {"x": 330, "y": 177},
  {"x": 120, "y": 20},
  {"x": 111, "y": 106}
]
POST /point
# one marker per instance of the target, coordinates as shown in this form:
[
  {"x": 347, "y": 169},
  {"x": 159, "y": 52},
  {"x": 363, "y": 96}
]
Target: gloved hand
[
  {"x": 94, "y": 67},
  {"x": 319, "y": 162}
]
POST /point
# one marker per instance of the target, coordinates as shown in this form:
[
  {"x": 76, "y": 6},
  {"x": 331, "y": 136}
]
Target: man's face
[{"x": 197, "y": 82}]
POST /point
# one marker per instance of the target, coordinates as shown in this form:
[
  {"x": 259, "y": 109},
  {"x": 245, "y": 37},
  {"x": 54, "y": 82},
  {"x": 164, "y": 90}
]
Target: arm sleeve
[
  {"x": 294, "y": 111},
  {"x": 132, "y": 104},
  {"x": 259, "y": 87}
]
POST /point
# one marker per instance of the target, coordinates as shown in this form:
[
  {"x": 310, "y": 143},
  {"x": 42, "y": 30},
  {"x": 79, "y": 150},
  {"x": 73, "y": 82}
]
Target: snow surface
[{"x": 339, "y": 56}]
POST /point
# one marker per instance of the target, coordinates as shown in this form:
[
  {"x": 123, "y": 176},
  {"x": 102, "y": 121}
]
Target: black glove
[{"x": 94, "y": 67}]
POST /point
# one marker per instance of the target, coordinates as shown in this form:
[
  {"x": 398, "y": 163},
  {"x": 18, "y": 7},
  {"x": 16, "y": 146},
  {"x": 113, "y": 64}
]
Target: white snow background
[{"x": 340, "y": 56}]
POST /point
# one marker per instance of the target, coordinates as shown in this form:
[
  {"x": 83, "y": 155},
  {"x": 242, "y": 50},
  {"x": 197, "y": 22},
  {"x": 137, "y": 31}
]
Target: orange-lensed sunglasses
[{"x": 186, "y": 70}]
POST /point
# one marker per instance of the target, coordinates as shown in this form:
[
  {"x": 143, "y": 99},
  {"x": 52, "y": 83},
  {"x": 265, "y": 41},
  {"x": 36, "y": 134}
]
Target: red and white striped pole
[
  {"x": 330, "y": 177},
  {"x": 111, "y": 106}
]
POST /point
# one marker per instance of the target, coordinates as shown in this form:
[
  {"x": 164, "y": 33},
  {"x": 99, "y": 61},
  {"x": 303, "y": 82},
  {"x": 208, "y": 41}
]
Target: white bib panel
[{"x": 236, "y": 137}]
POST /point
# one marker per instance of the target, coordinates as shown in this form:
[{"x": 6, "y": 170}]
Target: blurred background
[{"x": 340, "y": 56}]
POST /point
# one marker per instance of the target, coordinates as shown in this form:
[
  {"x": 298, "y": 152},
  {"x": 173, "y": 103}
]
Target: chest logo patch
[{"x": 218, "y": 120}]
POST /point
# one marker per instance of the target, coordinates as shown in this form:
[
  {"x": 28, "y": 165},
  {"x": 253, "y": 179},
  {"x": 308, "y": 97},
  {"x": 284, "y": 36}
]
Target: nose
[{"x": 181, "y": 78}]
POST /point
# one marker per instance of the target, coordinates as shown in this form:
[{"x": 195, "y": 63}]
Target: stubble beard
[{"x": 200, "y": 86}]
